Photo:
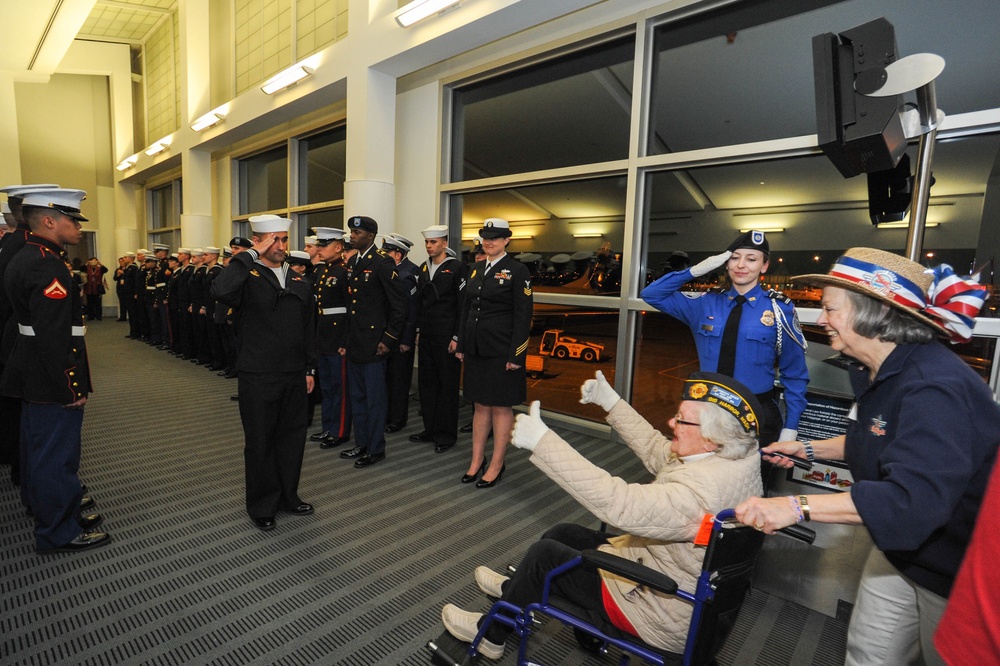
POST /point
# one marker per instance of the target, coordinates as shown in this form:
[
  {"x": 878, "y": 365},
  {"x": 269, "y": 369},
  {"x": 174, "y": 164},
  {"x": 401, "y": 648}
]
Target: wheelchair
[{"x": 719, "y": 592}]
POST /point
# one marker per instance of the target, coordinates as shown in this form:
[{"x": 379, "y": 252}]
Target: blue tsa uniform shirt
[{"x": 769, "y": 334}]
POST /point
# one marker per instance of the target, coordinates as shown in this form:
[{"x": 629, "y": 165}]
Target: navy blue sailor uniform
[
  {"x": 185, "y": 310},
  {"x": 399, "y": 365},
  {"x": 331, "y": 288},
  {"x": 215, "y": 355},
  {"x": 47, "y": 369},
  {"x": 439, "y": 307},
  {"x": 129, "y": 289},
  {"x": 276, "y": 353},
  {"x": 199, "y": 314},
  {"x": 495, "y": 326},
  {"x": 377, "y": 313},
  {"x": 769, "y": 335},
  {"x": 10, "y": 408}
]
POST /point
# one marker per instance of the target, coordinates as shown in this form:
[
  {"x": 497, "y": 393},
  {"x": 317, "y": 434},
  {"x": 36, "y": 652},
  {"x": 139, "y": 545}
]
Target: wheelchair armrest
[
  {"x": 799, "y": 532},
  {"x": 632, "y": 570}
]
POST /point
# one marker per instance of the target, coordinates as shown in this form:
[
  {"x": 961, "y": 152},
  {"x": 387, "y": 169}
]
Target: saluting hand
[{"x": 266, "y": 241}]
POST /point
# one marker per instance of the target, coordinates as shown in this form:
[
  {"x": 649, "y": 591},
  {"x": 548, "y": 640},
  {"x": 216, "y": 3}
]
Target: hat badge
[
  {"x": 757, "y": 237},
  {"x": 883, "y": 281},
  {"x": 488, "y": 224}
]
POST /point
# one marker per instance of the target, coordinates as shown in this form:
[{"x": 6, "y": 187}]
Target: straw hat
[{"x": 934, "y": 296}]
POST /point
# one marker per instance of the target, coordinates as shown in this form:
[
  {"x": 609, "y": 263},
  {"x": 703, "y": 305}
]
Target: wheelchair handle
[{"x": 795, "y": 531}]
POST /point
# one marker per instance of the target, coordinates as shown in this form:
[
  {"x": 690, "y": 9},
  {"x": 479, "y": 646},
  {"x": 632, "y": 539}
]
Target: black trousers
[
  {"x": 273, "y": 412},
  {"x": 437, "y": 384},
  {"x": 580, "y": 586},
  {"x": 398, "y": 377}
]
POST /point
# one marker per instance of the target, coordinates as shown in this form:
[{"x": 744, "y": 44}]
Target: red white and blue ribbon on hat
[{"x": 951, "y": 300}]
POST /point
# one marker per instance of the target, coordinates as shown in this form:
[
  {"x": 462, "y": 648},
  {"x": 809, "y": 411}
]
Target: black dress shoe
[
  {"x": 441, "y": 448},
  {"x": 215, "y": 367},
  {"x": 368, "y": 460},
  {"x": 90, "y": 521},
  {"x": 230, "y": 375},
  {"x": 356, "y": 452},
  {"x": 422, "y": 437},
  {"x": 303, "y": 509},
  {"x": 319, "y": 437},
  {"x": 489, "y": 484},
  {"x": 87, "y": 502},
  {"x": 466, "y": 428},
  {"x": 235, "y": 397},
  {"x": 332, "y": 442},
  {"x": 392, "y": 427},
  {"x": 85, "y": 541},
  {"x": 265, "y": 524},
  {"x": 469, "y": 478}
]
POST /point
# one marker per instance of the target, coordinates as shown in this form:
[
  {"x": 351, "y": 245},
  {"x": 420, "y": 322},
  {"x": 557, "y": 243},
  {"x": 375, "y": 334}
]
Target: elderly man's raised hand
[
  {"x": 599, "y": 392},
  {"x": 529, "y": 428},
  {"x": 706, "y": 266}
]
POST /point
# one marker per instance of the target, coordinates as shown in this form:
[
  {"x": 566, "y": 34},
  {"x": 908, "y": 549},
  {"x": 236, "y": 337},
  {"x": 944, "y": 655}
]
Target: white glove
[
  {"x": 599, "y": 392},
  {"x": 706, "y": 266},
  {"x": 788, "y": 435},
  {"x": 529, "y": 428}
]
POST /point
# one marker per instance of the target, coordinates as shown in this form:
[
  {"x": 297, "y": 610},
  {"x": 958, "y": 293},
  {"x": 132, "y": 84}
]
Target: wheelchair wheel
[{"x": 589, "y": 643}]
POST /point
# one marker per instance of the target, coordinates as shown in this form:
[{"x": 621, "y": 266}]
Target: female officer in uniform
[
  {"x": 493, "y": 344},
  {"x": 743, "y": 331}
]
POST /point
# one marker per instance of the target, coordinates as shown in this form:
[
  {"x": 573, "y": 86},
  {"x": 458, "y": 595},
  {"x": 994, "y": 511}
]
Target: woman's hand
[
  {"x": 796, "y": 449},
  {"x": 767, "y": 514}
]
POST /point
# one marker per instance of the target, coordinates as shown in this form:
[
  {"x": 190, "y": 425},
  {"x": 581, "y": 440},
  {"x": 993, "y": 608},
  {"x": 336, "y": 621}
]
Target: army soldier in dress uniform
[
  {"x": 276, "y": 366},
  {"x": 399, "y": 364},
  {"x": 375, "y": 321},
  {"x": 332, "y": 299},
  {"x": 440, "y": 289},
  {"x": 48, "y": 371}
]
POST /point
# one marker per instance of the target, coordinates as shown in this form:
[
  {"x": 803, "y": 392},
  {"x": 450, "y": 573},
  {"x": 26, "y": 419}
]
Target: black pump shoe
[
  {"x": 469, "y": 478},
  {"x": 490, "y": 484}
]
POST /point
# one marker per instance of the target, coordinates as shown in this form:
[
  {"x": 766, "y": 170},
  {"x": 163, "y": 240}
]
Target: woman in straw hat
[{"x": 920, "y": 443}]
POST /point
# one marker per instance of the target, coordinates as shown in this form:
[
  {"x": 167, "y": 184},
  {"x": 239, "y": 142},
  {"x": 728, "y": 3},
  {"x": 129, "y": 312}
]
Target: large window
[
  {"x": 163, "y": 206},
  {"x": 323, "y": 166},
  {"x": 264, "y": 181}
]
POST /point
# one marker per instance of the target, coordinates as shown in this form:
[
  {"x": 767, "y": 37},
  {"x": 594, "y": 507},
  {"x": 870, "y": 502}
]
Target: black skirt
[{"x": 488, "y": 382}]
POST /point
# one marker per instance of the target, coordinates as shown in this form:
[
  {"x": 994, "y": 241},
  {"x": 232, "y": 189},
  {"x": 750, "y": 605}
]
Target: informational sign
[{"x": 824, "y": 417}]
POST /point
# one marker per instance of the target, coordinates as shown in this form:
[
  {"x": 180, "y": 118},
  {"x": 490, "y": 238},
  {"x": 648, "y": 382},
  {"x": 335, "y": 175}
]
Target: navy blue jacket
[{"x": 921, "y": 449}]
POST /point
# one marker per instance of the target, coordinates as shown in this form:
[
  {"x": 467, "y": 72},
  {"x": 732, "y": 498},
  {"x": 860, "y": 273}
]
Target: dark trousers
[
  {"x": 174, "y": 316},
  {"x": 273, "y": 412},
  {"x": 166, "y": 332},
  {"x": 202, "y": 343},
  {"x": 229, "y": 345},
  {"x": 187, "y": 333},
  {"x": 50, "y": 461},
  {"x": 142, "y": 314},
  {"x": 398, "y": 378},
  {"x": 437, "y": 384},
  {"x": 132, "y": 306},
  {"x": 333, "y": 383},
  {"x": 10, "y": 436},
  {"x": 580, "y": 586},
  {"x": 122, "y": 305},
  {"x": 217, "y": 350},
  {"x": 95, "y": 307},
  {"x": 369, "y": 404},
  {"x": 155, "y": 330},
  {"x": 771, "y": 421}
]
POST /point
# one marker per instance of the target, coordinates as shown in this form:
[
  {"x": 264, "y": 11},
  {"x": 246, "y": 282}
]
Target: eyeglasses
[{"x": 678, "y": 419}]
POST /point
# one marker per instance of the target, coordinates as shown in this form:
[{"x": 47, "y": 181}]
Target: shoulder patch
[{"x": 55, "y": 291}]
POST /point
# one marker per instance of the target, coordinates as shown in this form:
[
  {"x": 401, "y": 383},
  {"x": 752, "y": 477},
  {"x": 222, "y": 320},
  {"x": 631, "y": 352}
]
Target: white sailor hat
[
  {"x": 326, "y": 235},
  {"x": 560, "y": 259},
  {"x": 61, "y": 199},
  {"x": 184, "y": 250},
  {"x": 18, "y": 191},
  {"x": 269, "y": 224},
  {"x": 299, "y": 257},
  {"x": 435, "y": 231},
  {"x": 211, "y": 249},
  {"x": 390, "y": 243},
  {"x": 310, "y": 240},
  {"x": 129, "y": 254},
  {"x": 197, "y": 252},
  {"x": 142, "y": 250},
  {"x": 402, "y": 239}
]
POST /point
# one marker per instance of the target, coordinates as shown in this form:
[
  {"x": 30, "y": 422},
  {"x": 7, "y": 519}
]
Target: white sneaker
[
  {"x": 463, "y": 625},
  {"x": 490, "y": 581}
]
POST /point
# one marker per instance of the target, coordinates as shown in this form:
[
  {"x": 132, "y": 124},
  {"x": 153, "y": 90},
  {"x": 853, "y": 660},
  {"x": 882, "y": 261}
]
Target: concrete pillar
[
  {"x": 197, "y": 226},
  {"x": 371, "y": 146},
  {"x": 195, "y": 72},
  {"x": 10, "y": 166}
]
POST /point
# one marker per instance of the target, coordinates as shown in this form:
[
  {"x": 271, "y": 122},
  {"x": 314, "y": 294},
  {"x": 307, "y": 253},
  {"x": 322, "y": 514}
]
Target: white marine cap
[
  {"x": 560, "y": 259},
  {"x": 61, "y": 199},
  {"x": 326, "y": 235},
  {"x": 158, "y": 247},
  {"x": 18, "y": 191},
  {"x": 269, "y": 224},
  {"x": 436, "y": 231},
  {"x": 211, "y": 249},
  {"x": 528, "y": 257},
  {"x": 402, "y": 239}
]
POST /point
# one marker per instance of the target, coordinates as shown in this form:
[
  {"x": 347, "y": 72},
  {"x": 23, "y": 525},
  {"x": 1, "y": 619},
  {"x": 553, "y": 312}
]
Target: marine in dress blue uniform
[
  {"x": 769, "y": 335},
  {"x": 48, "y": 370},
  {"x": 276, "y": 366},
  {"x": 375, "y": 321},
  {"x": 399, "y": 364}
]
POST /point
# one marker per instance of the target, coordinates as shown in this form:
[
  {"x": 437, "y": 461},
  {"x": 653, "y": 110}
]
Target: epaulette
[
  {"x": 717, "y": 289},
  {"x": 773, "y": 294},
  {"x": 382, "y": 253}
]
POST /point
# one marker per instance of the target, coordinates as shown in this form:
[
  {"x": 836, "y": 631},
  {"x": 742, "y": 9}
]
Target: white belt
[
  {"x": 78, "y": 331},
  {"x": 331, "y": 311},
  {"x": 160, "y": 284},
  {"x": 150, "y": 288}
]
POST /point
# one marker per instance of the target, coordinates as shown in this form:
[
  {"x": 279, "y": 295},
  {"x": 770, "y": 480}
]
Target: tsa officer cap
[
  {"x": 18, "y": 191},
  {"x": 197, "y": 252},
  {"x": 269, "y": 224},
  {"x": 390, "y": 243},
  {"x": 495, "y": 227},
  {"x": 239, "y": 241},
  {"x": 435, "y": 231},
  {"x": 310, "y": 240},
  {"x": 211, "y": 249},
  {"x": 299, "y": 257},
  {"x": 403, "y": 239},
  {"x": 63, "y": 200},
  {"x": 363, "y": 222},
  {"x": 326, "y": 235},
  {"x": 751, "y": 240},
  {"x": 727, "y": 393}
]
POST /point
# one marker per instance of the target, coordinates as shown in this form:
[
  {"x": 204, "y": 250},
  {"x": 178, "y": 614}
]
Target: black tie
[{"x": 727, "y": 352}]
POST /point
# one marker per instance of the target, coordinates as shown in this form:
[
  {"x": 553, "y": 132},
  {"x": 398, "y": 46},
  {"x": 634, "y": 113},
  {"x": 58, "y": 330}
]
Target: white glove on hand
[
  {"x": 599, "y": 392},
  {"x": 706, "y": 266},
  {"x": 788, "y": 435},
  {"x": 529, "y": 428}
]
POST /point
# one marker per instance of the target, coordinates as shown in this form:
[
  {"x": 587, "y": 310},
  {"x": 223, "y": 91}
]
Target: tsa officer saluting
[
  {"x": 332, "y": 300},
  {"x": 743, "y": 331},
  {"x": 48, "y": 371},
  {"x": 399, "y": 365},
  {"x": 440, "y": 289},
  {"x": 275, "y": 365},
  {"x": 375, "y": 321}
]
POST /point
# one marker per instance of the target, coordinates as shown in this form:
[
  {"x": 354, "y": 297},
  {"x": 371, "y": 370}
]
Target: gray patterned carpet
[{"x": 188, "y": 580}]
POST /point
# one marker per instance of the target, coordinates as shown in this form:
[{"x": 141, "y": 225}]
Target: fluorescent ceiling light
[
  {"x": 521, "y": 237},
  {"x": 207, "y": 120},
  {"x": 158, "y": 147},
  {"x": 127, "y": 162},
  {"x": 418, "y": 10},
  {"x": 766, "y": 230},
  {"x": 904, "y": 225},
  {"x": 589, "y": 235},
  {"x": 286, "y": 78}
]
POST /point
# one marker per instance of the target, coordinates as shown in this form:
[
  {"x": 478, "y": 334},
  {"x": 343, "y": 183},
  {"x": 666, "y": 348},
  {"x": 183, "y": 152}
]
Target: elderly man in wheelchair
[{"x": 709, "y": 464}]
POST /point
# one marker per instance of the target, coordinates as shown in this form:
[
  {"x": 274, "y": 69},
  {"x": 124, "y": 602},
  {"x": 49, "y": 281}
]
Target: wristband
[
  {"x": 810, "y": 454},
  {"x": 804, "y": 504},
  {"x": 796, "y": 508}
]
